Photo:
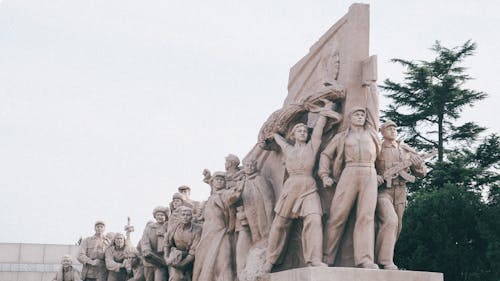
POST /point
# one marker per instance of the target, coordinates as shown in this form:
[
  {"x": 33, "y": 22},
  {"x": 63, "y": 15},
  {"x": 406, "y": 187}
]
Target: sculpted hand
[
  {"x": 416, "y": 160},
  {"x": 380, "y": 180},
  {"x": 94, "y": 262},
  {"x": 327, "y": 182}
]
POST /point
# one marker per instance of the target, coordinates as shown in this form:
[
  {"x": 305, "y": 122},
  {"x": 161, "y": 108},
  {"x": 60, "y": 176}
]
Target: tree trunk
[{"x": 440, "y": 138}]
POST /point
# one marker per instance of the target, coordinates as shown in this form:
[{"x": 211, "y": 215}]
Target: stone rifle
[{"x": 400, "y": 169}]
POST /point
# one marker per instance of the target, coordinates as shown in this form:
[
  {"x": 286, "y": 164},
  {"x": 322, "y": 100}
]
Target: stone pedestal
[{"x": 353, "y": 274}]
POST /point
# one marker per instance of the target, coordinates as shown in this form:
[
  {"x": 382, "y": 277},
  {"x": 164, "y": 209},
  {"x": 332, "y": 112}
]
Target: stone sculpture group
[{"x": 318, "y": 189}]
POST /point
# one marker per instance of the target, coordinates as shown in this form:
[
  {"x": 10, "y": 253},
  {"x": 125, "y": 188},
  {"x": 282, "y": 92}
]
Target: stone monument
[{"x": 310, "y": 195}]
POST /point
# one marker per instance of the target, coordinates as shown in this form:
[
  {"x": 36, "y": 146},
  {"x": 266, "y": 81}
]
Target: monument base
[{"x": 353, "y": 274}]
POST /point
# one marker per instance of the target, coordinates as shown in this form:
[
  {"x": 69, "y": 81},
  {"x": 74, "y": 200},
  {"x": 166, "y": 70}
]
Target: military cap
[
  {"x": 357, "y": 108},
  {"x": 183, "y": 187},
  {"x": 387, "y": 123},
  {"x": 162, "y": 209},
  {"x": 177, "y": 196},
  {"x": 99, "y": 222},
  {"x": 219, "y": 174}
]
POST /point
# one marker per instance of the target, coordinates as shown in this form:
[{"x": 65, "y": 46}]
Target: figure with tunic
[
  {"x": 180, "y": 246},
  {"x": 391, "y": 201},
  {"x": 152, "y": 245},
  {"x": 214, "y": 259},
  {"x": 299, "y": 198},
  {"x": 91, "y": 255},
  {"x": 118, "y": 259},
  {"x": 256, "y": 214},
  {"x": 67, "y": 271},
  {"x": 349, "y": 160}
]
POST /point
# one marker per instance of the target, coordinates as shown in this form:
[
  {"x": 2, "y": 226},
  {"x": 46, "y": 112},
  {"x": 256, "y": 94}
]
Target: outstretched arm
[
  {"x": 281, "y": 141},
  {"x": 318, "y": 132}
]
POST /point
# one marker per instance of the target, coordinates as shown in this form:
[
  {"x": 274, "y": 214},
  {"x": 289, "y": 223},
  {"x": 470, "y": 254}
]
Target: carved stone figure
[
  {"x": 91, "y": 255},
  {"x": 180, "y": 246},
  {"x": 118, "y": 259},
  {"x": 185, "y": 192},
  {"x": 67, "y": 271},
  {"x": 214, "y": 259},
  {"x": 299, "y": 197},
  {"x": 152, "y": 245},
  {"x": 233, "y": 170},
  {"x": 256, "y": 214},
  {"x": 391, "y": 200},
  {"x": 349, "y": 160}
]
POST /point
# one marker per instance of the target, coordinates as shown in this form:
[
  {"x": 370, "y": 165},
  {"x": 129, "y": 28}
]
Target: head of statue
[
  {"x": 357, "y": 116},
  {"x": 389, "y": 130},
  {"x": 185, "y": 214},
  {"x": 250, "y": 166},
  {"x": 185, "y": 191},
  {"x": 119, "y": 240},
  {"x": 219, "y": 181},
  {"x": 299, "y": 133},
  {"x": 232, "y": 161},
  {"x": 99, "y": 227},
  {"x": 160, "y": 214},
  {"x": 66, "y": 261},
  {"x": 177, "y": 201}
]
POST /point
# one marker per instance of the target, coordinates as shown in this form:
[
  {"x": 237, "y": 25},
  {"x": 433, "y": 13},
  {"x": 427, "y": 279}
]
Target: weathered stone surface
[{"x": 353, "y": 274}]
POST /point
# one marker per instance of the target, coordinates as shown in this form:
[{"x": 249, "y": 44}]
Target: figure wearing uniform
[
  {"x": 391, "y": 201},
  {"x": 152, "y": 244},
  {"x": 350, "y": 158},
  {"x": 91, "y": 255}
]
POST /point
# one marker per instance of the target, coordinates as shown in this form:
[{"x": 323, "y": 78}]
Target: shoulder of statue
[{"x": 406, "y": 147}]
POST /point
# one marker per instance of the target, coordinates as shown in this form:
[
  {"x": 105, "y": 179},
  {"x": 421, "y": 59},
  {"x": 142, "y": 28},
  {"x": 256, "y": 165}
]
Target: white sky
[{"x": 106, "y": 107}]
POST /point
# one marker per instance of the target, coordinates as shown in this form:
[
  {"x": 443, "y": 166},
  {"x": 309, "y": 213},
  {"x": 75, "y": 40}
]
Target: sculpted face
[
  {"x": 160, "y": 217},
  {"x": 390, "y": 133},
  {"x": 186, "y": 216},
  {"x": 219, "y": 183},
  {"x": 99, "y": 229},
  {"x": 249, "y": 167},
  {"x": 176, "y": 203},
  {"x": 66, "y": 262},
  {"x": 119, "y": 241},
  {"x": 358, "y": 118},
  {"x": 300, "y": 134}
]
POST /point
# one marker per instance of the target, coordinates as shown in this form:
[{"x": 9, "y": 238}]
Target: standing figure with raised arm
[
  {"x": 299, "y": 198},
  {"x": 349, "y": 159}
]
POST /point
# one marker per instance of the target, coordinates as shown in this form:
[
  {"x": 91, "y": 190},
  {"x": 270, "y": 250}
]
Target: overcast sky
[{"x": 106, "y": 107}]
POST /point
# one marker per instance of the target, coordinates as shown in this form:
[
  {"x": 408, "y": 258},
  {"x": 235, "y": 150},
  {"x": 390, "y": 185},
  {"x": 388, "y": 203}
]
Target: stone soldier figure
[
  {"x": 214, "y": 259},
  {"x": 91, "y": 255},
  {"x": 118, "y": 259},
  {"x": 391, "y": 200},
  {"x": 180, "y": 246},
  {"x": 350, "y": 156},
  {"x": 67, "y": 271},
  {"x": 152, "y": 245},
  {"x": 185, "y": 192}
]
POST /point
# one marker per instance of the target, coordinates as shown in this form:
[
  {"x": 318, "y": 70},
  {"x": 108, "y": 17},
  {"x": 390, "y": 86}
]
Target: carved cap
[
  {"x": 387, "y": 123},
  {"x": 233, "y": 158},
  {"x": 357, "y": 108},
  {"x": 99, "y": 222},
  {"x": 177, "y": 196},
  {"x": 162, "y": 209},
  {"x": 184, "y": 187},
  {"x": 219, "y": 174}
]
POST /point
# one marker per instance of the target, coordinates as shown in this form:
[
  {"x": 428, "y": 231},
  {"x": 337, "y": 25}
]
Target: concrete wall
[{"x": 33, "y": 262}]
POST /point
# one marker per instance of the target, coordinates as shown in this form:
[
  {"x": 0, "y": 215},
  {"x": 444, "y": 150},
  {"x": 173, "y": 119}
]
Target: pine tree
[{"x": 431, "y": 97}]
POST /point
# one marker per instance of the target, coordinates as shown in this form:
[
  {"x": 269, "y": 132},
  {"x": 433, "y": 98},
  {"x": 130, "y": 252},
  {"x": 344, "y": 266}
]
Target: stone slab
[{"x": 353, "y": 274}]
